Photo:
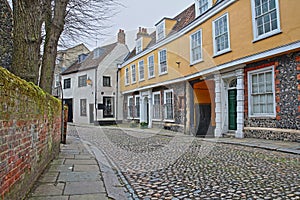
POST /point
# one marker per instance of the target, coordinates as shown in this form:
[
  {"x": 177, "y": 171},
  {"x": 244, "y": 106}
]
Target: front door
[
  {"x": 91, "y": 113},
  {"x": 69, "y": 103},
  {"x": 203, "y": 117},
  {"x": 232, "y": 114}
]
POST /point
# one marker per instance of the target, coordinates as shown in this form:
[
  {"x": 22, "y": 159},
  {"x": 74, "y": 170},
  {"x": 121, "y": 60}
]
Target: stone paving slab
[
  {"x": 91, "y": 187},
  {"x": 60, "y": 168},
  {"x": 86, "y": 168},
  {"x": 101, "y": 196},
  {"x": 50, "y": 198},
  {"x": 49, "y": 177},
  {"x": 49, "y": 189},
  {"x": 78, "y": 176},
  {"x": 81, "y": 162}
]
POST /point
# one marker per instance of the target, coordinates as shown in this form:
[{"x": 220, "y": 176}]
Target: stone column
[
  {"x": 218, "y": 107},
  {"x": 150, "y": 104},
  {"x": 240, "y": 103}
]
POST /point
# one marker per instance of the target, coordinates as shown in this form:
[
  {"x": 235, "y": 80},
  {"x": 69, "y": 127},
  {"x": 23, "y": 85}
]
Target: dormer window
[
  {"x": 82, "y": 57},
  {"x": 139, "y": 46},
  {"x": 160, "y": 30},
  {"x": 98, "y": 52},
  {"x": 202, "y": 6}
]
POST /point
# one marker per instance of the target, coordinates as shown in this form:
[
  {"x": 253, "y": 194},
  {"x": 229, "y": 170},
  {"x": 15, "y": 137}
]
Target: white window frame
[
  {"x": 254, "y": 26},
  {"x": 191, "y": 47},
  {"x": 133, "y": 73},
  {"x": 165, "y": 110},
  {"x": 139, "y": 45},
  {"x": 250, "y": 99},
  {"x": 198, "y": 11},
  {"x": 159, "y": 62},
  {"x": 126, "y": 76},
  {"x": 139, "y": 69},
  {"x": 135, "y": 104},
  {"x": 160, "y": 106},
  {"x": 216, "y": 53},
  {"x": 149, "y": 74},
  {"x": 129, "y": 116},
  {"x": 163, "y": 32}
]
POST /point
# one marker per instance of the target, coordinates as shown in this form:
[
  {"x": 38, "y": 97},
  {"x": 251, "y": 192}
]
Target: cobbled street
[{"x": 167, "y": 165}]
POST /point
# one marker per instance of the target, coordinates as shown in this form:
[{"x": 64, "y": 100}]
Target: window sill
[
  {"x": 156, "y": 120},
  {"x": 196, "y": 62},
  {"x": 169, "y": 120},
  {"x": 142, "y": 80},
  {"x": 262, "y": 116},
  {"x": 162, "y": 74},
  {"x": 152, "y": 77},
  {"x": 267, "y": 35},
  {"x": 221, "y": 53}
]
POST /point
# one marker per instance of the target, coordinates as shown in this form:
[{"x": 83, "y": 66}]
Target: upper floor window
[
  {"x": 151, "y": 66},
  {"x": 261, "y": 92},
  {"x": 82, "y": 81},
  {"x": 196, "y": 47},
  {"x": 162, "y": 60},
  {"x": 139, "y": 47},
  {"x": 127, "y": 76},
  {"x": 67, "y": 83},
  {"x": 141, "y": 70},
  {"x": 221, "y": 35},
  {"x": 57, "y": 82},
  {"x": 265, "y": 17},
  {"x": 160, "y": 31},
  {"x": 133, "y": 74},
  {"x": 106, "y": 81},
  {"x": 202, "y": 6}
]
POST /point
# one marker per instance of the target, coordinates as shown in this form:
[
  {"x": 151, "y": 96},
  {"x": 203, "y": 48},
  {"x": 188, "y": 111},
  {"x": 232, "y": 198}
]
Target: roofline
[
  {"x": 240, "y": 61},
  {"x": 217, "y": 8}
]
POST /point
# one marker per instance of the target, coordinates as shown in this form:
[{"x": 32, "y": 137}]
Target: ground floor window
[
  {"x": 168, "y": 105},
  {"x": 108, "y": 110},
  {"x": 83, "y": 107},
  {"x": 137, "y": 107},
  {"x": 156, "y": 105},
  {"x": 261, "y": 92}
]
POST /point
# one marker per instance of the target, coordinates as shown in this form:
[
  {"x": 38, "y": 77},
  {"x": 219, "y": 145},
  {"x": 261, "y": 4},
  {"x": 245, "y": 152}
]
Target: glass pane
[{"x": 272, "y": 4}]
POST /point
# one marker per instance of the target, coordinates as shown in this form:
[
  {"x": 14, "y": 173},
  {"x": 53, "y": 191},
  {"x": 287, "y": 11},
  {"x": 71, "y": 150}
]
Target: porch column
[
  {"x": 150, "y": 104},
  {"x": 218, "y": 109},
  {"x": 142, "y": 108},
  {"x": 240, "y": 103}
]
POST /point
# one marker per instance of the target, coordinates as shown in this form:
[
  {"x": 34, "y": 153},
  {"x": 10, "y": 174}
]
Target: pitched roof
[
  {"x": 182, "y": 20},
  {"x": 91, "y": 61}
]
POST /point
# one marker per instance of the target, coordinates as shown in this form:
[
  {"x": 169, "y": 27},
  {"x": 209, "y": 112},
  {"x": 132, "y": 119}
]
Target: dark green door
[{"x": 232, "y": 109}]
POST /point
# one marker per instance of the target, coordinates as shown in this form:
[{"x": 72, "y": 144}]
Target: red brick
[{"x": 298, "y": 59}]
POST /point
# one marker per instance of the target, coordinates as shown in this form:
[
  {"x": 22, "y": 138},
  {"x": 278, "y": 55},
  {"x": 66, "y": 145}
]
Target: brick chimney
[
  {"x": 142, "y": 32},
  {"x": 121, "y": 36}
]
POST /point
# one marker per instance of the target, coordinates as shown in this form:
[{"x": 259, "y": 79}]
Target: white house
[{"x": 90, "y": 85}]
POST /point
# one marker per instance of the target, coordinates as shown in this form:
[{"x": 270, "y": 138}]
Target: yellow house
[{"x": 217, "y": 69}]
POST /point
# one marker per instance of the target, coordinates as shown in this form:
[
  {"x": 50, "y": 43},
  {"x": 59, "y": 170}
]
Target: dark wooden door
[
  {"x": 69, "y": 103},
  {"x": 91, "y": 113},
  {"x": 203, "y": 116},
  {"x": 232, "y": 115}
]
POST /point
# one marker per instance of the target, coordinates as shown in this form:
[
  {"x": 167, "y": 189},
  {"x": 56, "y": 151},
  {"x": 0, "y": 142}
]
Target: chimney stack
[
  {"x": 142, "y": 32},
  {"x": 121, "y": 36}
]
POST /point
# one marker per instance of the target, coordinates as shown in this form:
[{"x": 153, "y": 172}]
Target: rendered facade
[{"x": 218, "y": 68}]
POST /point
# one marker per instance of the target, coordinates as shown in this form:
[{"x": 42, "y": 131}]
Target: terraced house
[{"x": 220, "y": 67}]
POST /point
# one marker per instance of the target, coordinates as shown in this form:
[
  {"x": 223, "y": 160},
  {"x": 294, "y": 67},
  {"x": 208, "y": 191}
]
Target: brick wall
[
  {"x": 30, "y": 132},
  {"x": 286, "y": 124},
  {"x": 6, "y": 44}
]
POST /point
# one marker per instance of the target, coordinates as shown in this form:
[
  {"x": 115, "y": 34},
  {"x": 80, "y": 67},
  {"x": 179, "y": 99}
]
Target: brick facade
[
  {"x": 286, "y": 124},
  {"x": 30, "y": 133},
  {"x": 6, "y": 44}
]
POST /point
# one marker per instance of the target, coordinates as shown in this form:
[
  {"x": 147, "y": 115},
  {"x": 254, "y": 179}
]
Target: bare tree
[{"x": 71, "y": 19}]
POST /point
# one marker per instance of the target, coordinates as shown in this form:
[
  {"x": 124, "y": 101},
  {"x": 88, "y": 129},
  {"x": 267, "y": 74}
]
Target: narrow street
[{"x": 167, "y": 165}]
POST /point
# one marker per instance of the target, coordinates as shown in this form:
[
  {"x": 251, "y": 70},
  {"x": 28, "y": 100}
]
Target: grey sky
[{"x": 141, "y": 13}]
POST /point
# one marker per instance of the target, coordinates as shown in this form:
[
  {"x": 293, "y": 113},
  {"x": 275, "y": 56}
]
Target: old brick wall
[
  {"x": 286, "y": 124},
  {"x": 6, "y": 44},
  {"x": 30, "y": 133}
]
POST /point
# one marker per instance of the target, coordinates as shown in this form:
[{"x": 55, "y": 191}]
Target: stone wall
[
  {"x": 286, "y": 124},
  {"x": 30, "y": 133},
  {"x": 6, "y": 44}
]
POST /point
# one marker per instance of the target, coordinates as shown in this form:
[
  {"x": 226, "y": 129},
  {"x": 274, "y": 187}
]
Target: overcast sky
[{"x": 141, "y": 13}]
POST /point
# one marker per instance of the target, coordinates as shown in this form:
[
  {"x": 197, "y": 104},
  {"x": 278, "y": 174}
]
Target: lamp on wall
[{"x": 89, "y": 81}]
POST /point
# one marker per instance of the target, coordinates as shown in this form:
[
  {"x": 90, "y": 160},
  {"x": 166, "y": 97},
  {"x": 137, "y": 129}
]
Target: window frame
[
  {"x": 160, "y": 106},
  {"x": 83, "y": 108},
  {"x": 139, "y": 70},
  {"x": 139, "y": 45},
  {"x": 228, "y": 49},
  {"x": 67, "y": 83},
  {"x": 191, "y": 47},
  {"x": 163, "y": 32},
  {"x": 198, "y": 7},
  {"x": 159, "y": 62},
  {"x": 127, "y": 81},
  {"x": 133, "y": 76},
  {"x": 82, "y": 83},
  {"x": 165, "y": 102},
  {"x": 257, "y": 37},
  {"x": 149, "y": 74},
  {"x": 250, "y": 99},
  {"x": 106, "y": 78}
]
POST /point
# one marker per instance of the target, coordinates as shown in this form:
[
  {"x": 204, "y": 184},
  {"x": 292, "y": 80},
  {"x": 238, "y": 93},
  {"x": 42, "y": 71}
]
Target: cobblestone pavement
[{"x": 166, "y": 166}]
